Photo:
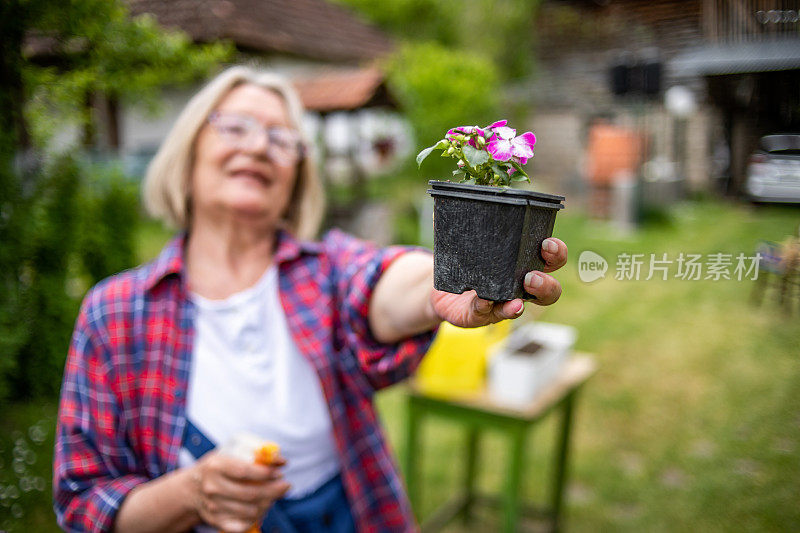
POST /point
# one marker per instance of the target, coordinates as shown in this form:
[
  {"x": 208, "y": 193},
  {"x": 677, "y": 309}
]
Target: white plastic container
[{"x": 517, "y": 375}]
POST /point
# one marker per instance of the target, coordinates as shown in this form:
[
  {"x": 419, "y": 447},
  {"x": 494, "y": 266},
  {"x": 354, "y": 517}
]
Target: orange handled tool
[{"x": 266, "y": 454}]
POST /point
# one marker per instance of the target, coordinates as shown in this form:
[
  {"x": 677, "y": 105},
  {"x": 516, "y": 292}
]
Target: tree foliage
[
  {"x": 100, "y": 49},
  {"x": 43, "y": 315},
  {"x": 442, "y": 88},
  {"x": 499, "y": 30},
  {"x": 454, "y": 58},
  {"x": 56, "y": 225}
]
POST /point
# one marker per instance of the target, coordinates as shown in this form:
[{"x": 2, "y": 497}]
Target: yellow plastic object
[{"x": 456, "y": 362}]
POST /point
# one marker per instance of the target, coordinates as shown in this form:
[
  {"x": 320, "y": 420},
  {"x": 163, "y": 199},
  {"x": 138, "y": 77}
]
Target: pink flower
[
  {"x": 492, "y": 155},
  {"x": 465, "y": 130},
  {"x": 523, "y": 146},
  {"x": 504, "y": 144},
  {"x": 470, "y": 131}
]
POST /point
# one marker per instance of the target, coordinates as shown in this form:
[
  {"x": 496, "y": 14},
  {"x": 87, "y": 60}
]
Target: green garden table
[{"x": 478, "y": 412}]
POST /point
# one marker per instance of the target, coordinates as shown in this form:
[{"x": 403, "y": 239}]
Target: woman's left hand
[{"x": 468, "y": 311}]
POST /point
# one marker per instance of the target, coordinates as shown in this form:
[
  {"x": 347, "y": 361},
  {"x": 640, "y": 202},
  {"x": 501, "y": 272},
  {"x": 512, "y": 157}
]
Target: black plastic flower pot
[{"x": 488, "y": 238}]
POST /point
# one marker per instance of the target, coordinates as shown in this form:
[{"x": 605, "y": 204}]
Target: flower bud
[
  {"x": 450, "y": 150},
  {"x": 480, "y": 141}
]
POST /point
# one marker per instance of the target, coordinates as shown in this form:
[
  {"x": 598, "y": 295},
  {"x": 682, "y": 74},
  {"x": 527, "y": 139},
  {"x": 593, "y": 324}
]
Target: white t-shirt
[{"x": 247, "y": 375}]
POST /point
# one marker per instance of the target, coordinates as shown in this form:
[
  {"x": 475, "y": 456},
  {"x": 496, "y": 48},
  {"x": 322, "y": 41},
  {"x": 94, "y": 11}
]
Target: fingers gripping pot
[{"x": 488, "y": 238}]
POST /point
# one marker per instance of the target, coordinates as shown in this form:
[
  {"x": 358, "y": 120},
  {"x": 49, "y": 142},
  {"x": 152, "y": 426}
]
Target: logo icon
[{"x": 591, "y": 266}]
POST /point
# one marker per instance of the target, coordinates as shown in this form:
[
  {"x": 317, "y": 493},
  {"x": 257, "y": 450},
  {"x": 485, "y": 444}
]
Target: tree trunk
[
  {"x": 114, "y": 133},
  {"x": 89, "y": 135},
  {"x": 13, "y": 131}
]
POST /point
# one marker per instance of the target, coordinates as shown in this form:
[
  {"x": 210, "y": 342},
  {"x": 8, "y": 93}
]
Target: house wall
[
  {"x": 142, "y": 132},
  {"x": 559, "y": 156},
  {"x": 560, "y": 160},
  {"x": 577, "y": 44}
]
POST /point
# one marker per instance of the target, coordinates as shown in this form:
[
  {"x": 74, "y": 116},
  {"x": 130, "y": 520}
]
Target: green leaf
[
  {"x": 519, "y": 168},
  {"x": 425, "y": 153},
  {"x": 520, "y": 178},
  {"x": 483, "y": 179},
  {"x": 474, "y": 156},
  {"x": 501, "y": 175}
]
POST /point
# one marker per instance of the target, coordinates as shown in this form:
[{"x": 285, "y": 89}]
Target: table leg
[
  {"x": 562, "y": 451},
  {"x": 513, "y": 477},
  {"x": 469, "y": 473},
  {"x": 411, "y": 455}
]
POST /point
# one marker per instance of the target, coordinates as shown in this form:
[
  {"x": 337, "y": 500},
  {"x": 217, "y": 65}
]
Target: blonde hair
[{"x": 166, "y": 184}]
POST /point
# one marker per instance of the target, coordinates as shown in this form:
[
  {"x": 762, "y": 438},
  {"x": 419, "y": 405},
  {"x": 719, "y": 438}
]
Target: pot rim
[
  {"x": 483, "y": 193},
  {"x": 495, "y": 191}
]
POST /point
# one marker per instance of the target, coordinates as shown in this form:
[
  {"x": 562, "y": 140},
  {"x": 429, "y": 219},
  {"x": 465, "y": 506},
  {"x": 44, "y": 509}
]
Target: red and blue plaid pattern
[{"x": 123, "y": 400}]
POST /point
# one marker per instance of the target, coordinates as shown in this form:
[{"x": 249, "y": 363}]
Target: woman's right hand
[{"x": 232, "y": 494}]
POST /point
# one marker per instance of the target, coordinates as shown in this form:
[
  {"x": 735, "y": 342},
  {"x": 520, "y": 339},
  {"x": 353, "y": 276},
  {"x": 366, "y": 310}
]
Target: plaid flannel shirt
[{"x": 123, "y": 399}]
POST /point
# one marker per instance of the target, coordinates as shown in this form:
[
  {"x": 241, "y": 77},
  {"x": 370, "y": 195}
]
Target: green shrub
[
  {"x": 43, "y": 312},
  {"x": 11, "y": 227},
  {"x": 109, "y": 224},
  {"x": 70, "y": 223},
  {"x": 442, "y": 88}
]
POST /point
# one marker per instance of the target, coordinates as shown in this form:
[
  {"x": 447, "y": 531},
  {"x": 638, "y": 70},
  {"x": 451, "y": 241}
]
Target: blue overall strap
[
  {"x": 198, "y": 445},
  {"x": 195, "y": 441},
  {"x": 326, "y": 510}
]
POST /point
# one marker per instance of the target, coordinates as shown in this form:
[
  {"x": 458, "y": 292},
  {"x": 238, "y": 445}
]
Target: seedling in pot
[
  {"x": 487, "y": 236},
  {"x": 493, "y": 155}
]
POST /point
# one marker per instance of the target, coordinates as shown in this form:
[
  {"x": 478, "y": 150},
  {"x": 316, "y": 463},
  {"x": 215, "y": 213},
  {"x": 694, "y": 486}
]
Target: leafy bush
[
  {"x": 440, "y": 87},
  {"x": 74, "y": 224},
  {"x": 57, "y": 225},
  {"x": 45, "y": 313},
  {"x": 26, "y": 455},
  {"x": 500, "y": 30},
  {"x": 110, "y": 217}
]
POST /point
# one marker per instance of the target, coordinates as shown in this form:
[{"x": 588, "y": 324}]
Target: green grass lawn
[{"x": 692, "y": 422}]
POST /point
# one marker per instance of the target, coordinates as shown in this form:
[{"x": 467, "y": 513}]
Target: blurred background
[{"x": 671, "y": 126}]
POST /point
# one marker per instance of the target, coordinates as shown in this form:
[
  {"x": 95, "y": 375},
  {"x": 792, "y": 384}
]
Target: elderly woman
[{"x": 242, "y": 323}]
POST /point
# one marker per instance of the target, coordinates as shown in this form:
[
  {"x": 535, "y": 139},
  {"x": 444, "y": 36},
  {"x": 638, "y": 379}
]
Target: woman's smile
[{"x": 251, "y": 174}]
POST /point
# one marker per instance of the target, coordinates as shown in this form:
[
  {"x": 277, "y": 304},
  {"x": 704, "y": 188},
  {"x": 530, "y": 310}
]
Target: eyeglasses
[{"x": 242, "y": 131}]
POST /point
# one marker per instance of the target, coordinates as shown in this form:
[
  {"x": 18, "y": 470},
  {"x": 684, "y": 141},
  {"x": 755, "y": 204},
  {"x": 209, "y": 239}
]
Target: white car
[{"x": 773, "y": 174}]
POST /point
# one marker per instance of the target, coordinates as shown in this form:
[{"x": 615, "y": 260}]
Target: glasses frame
[{"x": 253, "y": 126}]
